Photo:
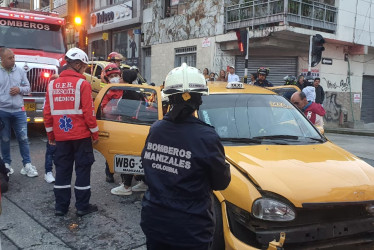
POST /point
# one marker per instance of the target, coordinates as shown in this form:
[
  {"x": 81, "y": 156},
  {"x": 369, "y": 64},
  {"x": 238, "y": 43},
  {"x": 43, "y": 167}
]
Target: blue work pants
[
  {"x": 79, "y": 152},
  {"x": 49, "y": 157},
  {"x": 18, "y": 122}
]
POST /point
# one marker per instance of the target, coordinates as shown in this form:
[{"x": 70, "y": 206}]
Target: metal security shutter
[
  {"x": 367, "y": 108},
  {"x": 279, "y": 67}
]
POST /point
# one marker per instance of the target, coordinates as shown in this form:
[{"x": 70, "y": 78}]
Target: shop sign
[
  {"x": 206, "y": 42},
  {"x": 356, "y": 98},
  {"x": 314, "y": 73},
  {"x": 115, "y": 14},
  {"x": 327, "y": 61},
  {"x": 174, "y": 2}
]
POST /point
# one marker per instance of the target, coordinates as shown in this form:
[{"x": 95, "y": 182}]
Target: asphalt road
[
  {"x": 361, "y": 146},
  {"x": 28, "y": 220}
]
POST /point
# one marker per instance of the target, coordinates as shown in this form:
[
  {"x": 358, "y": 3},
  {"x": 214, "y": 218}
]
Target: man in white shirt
[{"x": 231, "y": 77}]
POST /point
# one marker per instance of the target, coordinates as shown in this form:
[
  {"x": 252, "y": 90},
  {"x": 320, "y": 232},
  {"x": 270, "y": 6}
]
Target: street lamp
[{"x": 78, "y": 20}]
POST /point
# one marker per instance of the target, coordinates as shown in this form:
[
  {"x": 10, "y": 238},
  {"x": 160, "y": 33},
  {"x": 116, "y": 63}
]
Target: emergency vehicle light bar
[{"x": 45, "y": 17}]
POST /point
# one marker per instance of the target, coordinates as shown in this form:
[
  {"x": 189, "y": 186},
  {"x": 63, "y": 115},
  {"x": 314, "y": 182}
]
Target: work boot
[
  {"x": 60, "y": 213},
  {"x": 91, "y": 208}
]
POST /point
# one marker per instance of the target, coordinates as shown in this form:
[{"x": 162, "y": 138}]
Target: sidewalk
[{"x": 367, "y": 130}]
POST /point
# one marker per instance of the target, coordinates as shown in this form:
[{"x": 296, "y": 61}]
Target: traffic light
[
  {"x": 83, "y": 39},
  {"x": 242, "y": 41},
  {"x": 317, "y": 48}
]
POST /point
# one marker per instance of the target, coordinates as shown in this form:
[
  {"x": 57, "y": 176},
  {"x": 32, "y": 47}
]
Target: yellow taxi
[
  {"x": 287, "y": 178},
  {"x": 93, "y": 74}
]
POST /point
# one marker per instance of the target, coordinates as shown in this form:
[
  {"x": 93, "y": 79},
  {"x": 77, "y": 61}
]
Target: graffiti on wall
[
  {"x": 332, "y": 107},
  {"x": 342, "y": 85}
]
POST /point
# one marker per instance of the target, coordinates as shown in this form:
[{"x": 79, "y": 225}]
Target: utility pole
[
  {"x": 246, "y": 58},
  {"x": 310, "y": 55}
]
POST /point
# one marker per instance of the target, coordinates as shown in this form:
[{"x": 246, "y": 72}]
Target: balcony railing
[{"x": 303, "y": 13}]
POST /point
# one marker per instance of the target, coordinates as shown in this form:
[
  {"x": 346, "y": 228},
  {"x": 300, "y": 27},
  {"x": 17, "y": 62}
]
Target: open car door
[{"x": 124, "y": 114}]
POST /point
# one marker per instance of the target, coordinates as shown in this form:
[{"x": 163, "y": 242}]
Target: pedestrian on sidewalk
[
  {"x": 177, "y": 209},
  {"x": 222, "y": 76},
  {"x": 320, "y": 93},
  {"x": 231, "y": 76},
  {"x": 206, "y": 74},
  {"x": 253, "y": 78},
  {"x": 13, "y": 85},
  {"x": 70, "y": 122}
]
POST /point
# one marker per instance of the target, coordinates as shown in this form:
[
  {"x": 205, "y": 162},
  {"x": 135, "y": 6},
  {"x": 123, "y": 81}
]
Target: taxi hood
[{"x": 315, "y": 173}]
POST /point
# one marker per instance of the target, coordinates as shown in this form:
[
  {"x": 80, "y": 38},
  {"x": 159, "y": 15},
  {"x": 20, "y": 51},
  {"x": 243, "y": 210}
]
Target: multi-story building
[
  {"x": 202, "y": 33},
  {"x": 67, "y": 9},
  {"x": 21, "y": 4},
  {"x": 113, "y": 25}
]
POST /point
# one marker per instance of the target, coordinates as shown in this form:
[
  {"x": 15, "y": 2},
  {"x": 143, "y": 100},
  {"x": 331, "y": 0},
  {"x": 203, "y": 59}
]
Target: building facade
[
  {"x": 202, "y": 33},
  {"x": 114, "y": 26}
]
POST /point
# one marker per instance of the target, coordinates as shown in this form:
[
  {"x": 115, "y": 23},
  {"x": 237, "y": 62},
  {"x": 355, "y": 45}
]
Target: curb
[{"x": 350, "y": 132}]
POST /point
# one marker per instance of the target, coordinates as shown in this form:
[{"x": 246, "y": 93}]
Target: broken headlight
[{"x": 272, "y": 210}]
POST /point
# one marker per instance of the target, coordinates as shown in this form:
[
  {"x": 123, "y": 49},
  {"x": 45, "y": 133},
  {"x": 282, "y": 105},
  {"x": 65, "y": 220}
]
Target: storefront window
[
  {"x": 98, "y": 47},
  {"x": 127, "y": 43},
  {"x": 120, "y": 42}
]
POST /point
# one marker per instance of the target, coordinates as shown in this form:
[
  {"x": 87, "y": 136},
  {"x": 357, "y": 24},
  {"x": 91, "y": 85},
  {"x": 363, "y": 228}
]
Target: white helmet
[
  {"x": 185, "y": 79},
  {"x": 77, "y": 54}
]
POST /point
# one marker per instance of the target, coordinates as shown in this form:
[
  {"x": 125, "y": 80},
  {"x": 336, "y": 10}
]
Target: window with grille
[
  {"x": 185, "y": 54},
  {"x": 174, "y": 7}
]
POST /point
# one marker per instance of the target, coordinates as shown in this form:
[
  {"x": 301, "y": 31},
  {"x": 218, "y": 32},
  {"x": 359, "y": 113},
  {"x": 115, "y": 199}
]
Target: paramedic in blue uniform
[{"x": 184, "y": 161}]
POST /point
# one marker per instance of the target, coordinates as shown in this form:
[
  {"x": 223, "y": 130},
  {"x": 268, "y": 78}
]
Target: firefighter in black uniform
[
  {"x": 183, "y": 162},
  {"x": 262, "y": 73}
]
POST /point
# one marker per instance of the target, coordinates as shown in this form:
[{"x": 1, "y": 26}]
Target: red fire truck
[{"x": 38, "y": 42}]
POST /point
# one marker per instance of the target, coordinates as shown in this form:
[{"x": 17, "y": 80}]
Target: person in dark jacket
[
  {"x": 320, "y": 93},
  {"x": 183, "y": 162},
  {"x": 262, "y": 73}
]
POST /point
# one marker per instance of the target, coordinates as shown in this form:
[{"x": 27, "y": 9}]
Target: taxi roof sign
[{"x": 235, "y": 85}]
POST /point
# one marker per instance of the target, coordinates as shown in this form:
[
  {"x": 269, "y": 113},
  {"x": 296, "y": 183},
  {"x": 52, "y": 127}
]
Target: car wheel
[{"x": 218, "y": 238}]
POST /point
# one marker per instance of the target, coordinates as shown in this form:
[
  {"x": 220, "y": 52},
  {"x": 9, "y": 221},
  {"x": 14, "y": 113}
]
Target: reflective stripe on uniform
[
  {"x": 95, "y": 129},
  {"x": 77, "y": 100},
  {"x": 82, "y": 188},
  {"x": 64, "y": 186},
  {"x": 78, "y": 94},
  {"x": 49, "y": 129}
]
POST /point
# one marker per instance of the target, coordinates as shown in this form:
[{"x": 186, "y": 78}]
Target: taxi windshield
[{"x": 257, "y": 118}]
